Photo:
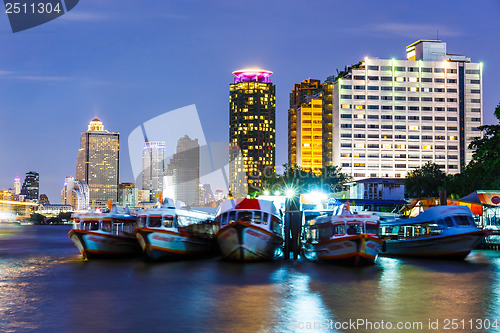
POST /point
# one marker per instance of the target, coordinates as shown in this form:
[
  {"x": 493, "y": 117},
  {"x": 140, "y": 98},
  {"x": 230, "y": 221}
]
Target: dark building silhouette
[{"x": 31, "y": 186}]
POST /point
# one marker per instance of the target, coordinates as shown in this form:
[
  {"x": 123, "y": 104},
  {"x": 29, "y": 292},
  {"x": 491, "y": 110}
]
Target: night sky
[{"x": 129, "y": 61}]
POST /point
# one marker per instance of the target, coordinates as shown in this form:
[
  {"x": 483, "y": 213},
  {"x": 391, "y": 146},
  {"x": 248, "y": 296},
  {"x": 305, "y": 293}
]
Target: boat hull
[
  {"x": 164, "y": 244},
  {"x": 456, "y": 246},
  {"x": 243, "y": 241},
  {"x": 355, "y": 250},
  {"x": 100, "y": 245}
]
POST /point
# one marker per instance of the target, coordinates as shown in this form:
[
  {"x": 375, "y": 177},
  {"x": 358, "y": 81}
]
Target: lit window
[
  {"x": 413, "y": 79},
  {"x": 413, "y": 89},
  {"x": 359, "y": 107},
  {"x": 386, "y": 146},
  {"x": 359, "y": 145},
  {"x": 427, "y": 147},
  {"x": 400, "y": 146},
  {"x": 400, "y": 79},
  {"x": 452, "y": 137},
  {"x": 346, "y": 106},
  {"x": 413, "y": 128},
  {"x": 360, "y": 116}
]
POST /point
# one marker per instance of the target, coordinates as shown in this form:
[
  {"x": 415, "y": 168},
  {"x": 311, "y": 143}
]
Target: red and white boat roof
[{"x": 248, "y": 204}]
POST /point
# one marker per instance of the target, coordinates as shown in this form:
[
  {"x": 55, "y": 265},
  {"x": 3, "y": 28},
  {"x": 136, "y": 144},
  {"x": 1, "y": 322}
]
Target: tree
[
  {"x": 424, "y": 181},
  {"x": 483, "y": 172},
  {"x": 294, "y": 177}
]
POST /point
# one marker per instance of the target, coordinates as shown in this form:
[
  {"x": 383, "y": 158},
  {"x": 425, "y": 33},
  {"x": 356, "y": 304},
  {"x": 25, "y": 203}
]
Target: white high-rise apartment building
[
  {"x": 391, "y": 116},
  {"x": 153, "y": 166}
]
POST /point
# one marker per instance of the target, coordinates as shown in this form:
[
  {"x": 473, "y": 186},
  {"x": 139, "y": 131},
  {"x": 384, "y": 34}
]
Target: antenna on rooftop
[{"x": 437, "y": 34}]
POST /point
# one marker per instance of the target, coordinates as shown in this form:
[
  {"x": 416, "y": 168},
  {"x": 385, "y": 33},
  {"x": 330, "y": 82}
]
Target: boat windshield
[
  {"x": 94, "y": 225},
  {"x": 354, "y": 228},
  {"x": 463, "y": 220},
  {"x": 168, "y": 221},
  {"x": 339, "y": 229},
  {"x": 371, "y": 228},
  {"x": 154, "y": 221},
  {"x": 246, "y": 216},
  {"x": 106, "y": 226}
]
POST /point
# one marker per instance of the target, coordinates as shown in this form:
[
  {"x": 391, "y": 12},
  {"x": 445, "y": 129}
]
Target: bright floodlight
[
  {"x": 266, "y": 192},
  {"x": 290, "y": 193},
  {"x": 277, "y": 193},
  {"x": 316, "y": 196}
]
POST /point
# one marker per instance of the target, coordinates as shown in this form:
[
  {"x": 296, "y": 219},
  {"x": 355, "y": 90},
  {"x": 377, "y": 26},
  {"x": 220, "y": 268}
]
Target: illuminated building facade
[
  {"x": 252, "y": 130},
  {"x": 300, "y": 92},
  {"x": 309, "y": 153},
  {"x": 391, "y": 116},
  {"x": 98, "y": 163},
  {"x": 31, "y": 186},
  {"x": 17, "y": 186},
  {"x": 153, "y": 166},
  {"x": 44, "y": 200}
]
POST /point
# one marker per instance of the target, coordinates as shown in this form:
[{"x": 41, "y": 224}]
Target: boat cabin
[
  {"x": 105, "y": 224},
  {"x": 257, "y": 217},
  {"x": 327, "y": 227},
  {"x": 401, "y": 231}
]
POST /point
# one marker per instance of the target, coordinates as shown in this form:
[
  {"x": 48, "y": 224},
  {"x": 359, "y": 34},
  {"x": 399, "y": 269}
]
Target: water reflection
[{"x": 45, "y": 287}]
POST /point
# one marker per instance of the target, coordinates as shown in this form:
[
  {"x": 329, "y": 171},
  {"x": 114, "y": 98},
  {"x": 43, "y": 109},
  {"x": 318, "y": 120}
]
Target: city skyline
[{"x": 79, "y": 69}]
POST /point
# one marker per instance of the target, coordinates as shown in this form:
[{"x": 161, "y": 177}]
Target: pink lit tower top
[
  {"x": 251, "y": 129},
  {"x": 252, "y": 75}
]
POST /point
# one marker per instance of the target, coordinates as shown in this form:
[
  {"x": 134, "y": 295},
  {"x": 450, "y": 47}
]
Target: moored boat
[
  {"x": 250, "y": 229},
  {"x": 105, "y": 234},
  {"x": 349, "y": 238},
  {"x": 438, "y": 232},
  {"x": 169, "y": 232}
]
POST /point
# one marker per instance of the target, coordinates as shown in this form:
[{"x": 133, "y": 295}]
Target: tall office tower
[
  {"x": 309, "y": 135},
  {"x": 183, "y": 172},
  {"x": 76, "y": 194},
  {"x": 308, "y": 87},
  {"x": 98, "y": 163},
  {"x": 327, "y": 123},
  {"x": 390, "y": 116},
  {"x": 17, "y": 186},
  {"x": 31, "y": 186},
  {"x": 252, "y": 128},
  {"x": 153, "y": 167}
]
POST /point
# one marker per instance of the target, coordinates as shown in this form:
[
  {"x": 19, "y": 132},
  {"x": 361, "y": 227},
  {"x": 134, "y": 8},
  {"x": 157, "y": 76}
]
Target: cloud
[
  {"x": 412, "y": 30},
  {"x": 42, "y": 78},
  {"x": 79, "y": 16}
]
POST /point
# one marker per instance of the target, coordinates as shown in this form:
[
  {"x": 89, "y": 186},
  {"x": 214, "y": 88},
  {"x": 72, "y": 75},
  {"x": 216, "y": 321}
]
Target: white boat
[
  {"x": 438, "y": 232},
  {"x": 105, "y": 234},
  {"x": 169, "y": 232},
  {"x": 250, "y": 229},
  {"x": 349, "y": 238}
]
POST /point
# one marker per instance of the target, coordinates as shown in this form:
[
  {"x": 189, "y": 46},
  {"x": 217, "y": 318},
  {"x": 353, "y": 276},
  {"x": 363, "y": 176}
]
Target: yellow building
[{"x": 309, "y": 135}]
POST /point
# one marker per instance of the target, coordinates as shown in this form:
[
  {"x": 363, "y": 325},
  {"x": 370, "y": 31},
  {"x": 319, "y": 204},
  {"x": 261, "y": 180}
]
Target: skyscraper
[
  {"x": 153, "y": 166},
  {"x": 98, "y": 163},
  {"x": 17, "y": 186},
  {"x": 251, "y": 127},
  {"x": 183, "y": 172},
  {"x": 391, "y": 116},
  {"x": 308, "y": 87},
  {"x": 31, "y": 186},
  {"x": 308, "y": 134}
]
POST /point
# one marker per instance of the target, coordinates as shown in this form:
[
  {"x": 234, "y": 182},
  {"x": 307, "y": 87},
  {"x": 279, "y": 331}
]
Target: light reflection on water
[{"x": 46, "y": 287}]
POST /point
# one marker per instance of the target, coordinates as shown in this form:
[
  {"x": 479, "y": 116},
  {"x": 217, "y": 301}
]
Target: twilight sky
[{"x": 129, "y": 61}]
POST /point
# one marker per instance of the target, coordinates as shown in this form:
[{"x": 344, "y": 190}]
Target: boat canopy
[
  {"x": 431, "y": 214},
  {"x": 248, "y": 204}
]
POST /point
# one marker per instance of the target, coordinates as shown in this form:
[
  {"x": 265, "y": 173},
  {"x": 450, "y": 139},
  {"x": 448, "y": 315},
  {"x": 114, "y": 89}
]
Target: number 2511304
[{"x": 38, "y": 8}]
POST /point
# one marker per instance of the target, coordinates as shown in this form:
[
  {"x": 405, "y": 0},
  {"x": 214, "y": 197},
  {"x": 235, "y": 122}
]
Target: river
[{"x": 46, "y": 287}]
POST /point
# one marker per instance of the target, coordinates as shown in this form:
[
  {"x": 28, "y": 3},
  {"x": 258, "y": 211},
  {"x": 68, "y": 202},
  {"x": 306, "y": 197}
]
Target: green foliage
[{"x": 424, "y": 181}]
